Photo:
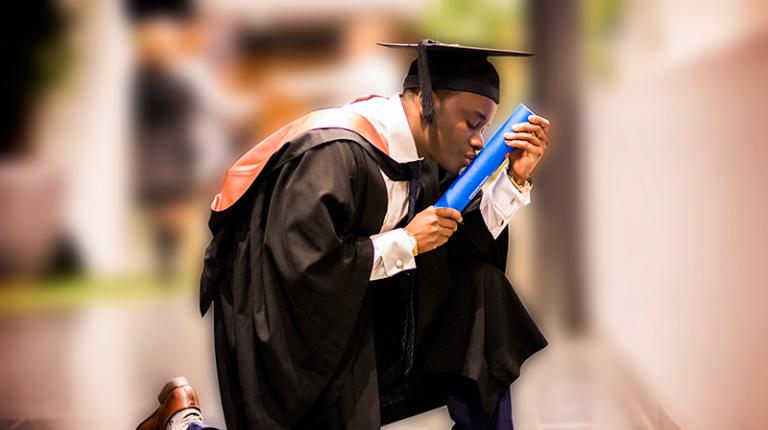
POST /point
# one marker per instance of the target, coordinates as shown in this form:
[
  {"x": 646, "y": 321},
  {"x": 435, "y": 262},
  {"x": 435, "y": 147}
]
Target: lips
[{"x": 468, "y": 158}]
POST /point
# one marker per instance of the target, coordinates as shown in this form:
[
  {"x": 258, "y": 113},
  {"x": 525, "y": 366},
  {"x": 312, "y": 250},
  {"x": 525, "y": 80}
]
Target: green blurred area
[
  {"x": 488, "y": 23},
  {"x": 602, "y": 19},
  {"x": 77, "y": 292},
  {"x": 481, "y": 23}
]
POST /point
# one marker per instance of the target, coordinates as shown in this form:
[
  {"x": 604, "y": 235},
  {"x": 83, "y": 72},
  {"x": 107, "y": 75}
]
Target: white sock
[{"x": 181, "y": 419}]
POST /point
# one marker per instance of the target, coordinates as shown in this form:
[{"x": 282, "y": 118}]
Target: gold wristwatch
[
  {"x": 415, "y": 243},
  {"x": 525, "y": 186}
]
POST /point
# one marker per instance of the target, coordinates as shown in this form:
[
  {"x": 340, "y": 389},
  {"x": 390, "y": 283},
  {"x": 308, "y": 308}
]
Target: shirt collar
[{"x": 388, "y": 117}]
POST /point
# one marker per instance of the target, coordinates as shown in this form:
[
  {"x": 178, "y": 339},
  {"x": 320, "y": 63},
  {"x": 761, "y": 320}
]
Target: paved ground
[
  {"x": 100, "y": 366},
  {"x": 572, "y": 384}
]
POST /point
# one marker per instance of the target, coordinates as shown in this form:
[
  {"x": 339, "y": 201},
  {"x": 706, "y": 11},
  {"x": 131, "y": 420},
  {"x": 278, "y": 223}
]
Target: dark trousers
[{"x": 467, "y": 412}]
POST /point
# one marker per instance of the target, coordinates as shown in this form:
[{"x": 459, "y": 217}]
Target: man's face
[{"x": 457, "y": 132}]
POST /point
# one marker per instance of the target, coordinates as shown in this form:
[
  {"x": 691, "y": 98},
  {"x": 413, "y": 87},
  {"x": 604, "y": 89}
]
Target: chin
[
  {"x": 457, "y": 170},
  {"x": 452, "y": 167},
  {"x": 460, "y": 166}
]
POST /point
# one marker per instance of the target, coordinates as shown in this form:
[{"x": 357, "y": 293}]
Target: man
[{"x": 342, "y": 298}]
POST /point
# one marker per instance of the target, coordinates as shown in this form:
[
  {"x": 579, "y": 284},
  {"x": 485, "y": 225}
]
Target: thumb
[{"x": 449, "y": 213}]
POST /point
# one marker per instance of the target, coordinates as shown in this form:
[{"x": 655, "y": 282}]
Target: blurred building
[
  {"x": 642, "y": 253},
  {"x": 675, "y": 217}
]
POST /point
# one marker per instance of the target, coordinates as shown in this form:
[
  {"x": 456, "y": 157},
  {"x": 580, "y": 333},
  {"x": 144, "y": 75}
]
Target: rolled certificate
[{"x": 472, "y": 179}]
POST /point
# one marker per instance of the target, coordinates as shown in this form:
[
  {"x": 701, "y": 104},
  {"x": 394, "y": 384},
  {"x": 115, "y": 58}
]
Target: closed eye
[
  {"x": 478, "y": 126},
  {"x": 480, "y": 120}
]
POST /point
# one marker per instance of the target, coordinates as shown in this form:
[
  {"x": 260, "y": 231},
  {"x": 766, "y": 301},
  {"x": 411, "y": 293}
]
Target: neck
[{"x": 419, "y": 128}]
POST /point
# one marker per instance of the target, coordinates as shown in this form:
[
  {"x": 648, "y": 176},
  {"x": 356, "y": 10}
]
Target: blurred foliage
[
  {"x": 47, "y": 47},
  {"x": 504, "y": 24},
  {"x": 602, "y": 20},
  {"x": 499, "y": 24},
  {"x": 496, "y": 23},
  {"x": 76, "y": 292}
]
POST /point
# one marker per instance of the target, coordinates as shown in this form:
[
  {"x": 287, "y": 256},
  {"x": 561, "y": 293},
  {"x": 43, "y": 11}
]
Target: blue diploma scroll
[{"x": 472, "y": 179}]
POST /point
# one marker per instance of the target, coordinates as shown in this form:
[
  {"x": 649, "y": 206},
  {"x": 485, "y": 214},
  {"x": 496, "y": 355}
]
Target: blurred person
[
  {"x": 342, "y": 298},
  {"x": 180, "y": 118},
  {"x": 286, "y": 67},
  {"x": 360, "y": 69},
  {"x": 222, "y": 106}
]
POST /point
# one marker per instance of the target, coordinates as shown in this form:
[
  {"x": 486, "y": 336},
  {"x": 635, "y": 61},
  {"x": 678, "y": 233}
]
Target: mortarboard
[
  {"x": 139, "y": 10},
  {"x": 452, "y": 67}
]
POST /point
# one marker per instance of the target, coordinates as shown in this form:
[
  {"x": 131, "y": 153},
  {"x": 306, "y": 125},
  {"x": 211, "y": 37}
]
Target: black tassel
[
  {"x": 408, "y": 336},
  {"x": 425, "y": 83},
  {"x": 407, "y": 281}
]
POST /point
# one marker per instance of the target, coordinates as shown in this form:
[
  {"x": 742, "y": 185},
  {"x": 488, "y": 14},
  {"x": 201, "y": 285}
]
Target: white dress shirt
[{"x": 392, "y": 248}]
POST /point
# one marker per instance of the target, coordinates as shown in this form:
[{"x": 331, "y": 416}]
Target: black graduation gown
[{"x": 304, "y": 340}]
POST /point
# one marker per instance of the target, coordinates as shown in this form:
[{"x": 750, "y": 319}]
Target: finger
[
  {"x": 449, "y": 228},
  {"x": 447, "y": 222},
  {"x": 446, "y": 232},
  {"x": 539, "y": 120},
  {"x": 440, "y": 241},
  {"x": 449, "y": 213},
  {"x": 530, "y": 128},
  {"x": 534, "y": 139},
  {"x": 526, "y": 146}
]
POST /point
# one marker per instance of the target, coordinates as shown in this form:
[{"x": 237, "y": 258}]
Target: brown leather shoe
[{"x": 178, "y": 407}]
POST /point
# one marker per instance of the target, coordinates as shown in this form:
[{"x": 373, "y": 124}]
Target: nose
[{"x": 476, "y": 142}]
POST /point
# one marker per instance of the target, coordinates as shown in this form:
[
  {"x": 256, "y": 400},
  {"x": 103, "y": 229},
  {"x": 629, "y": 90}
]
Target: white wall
[
  {"x": 677, "y": 218},
  {"x": 84, "y": 131}
]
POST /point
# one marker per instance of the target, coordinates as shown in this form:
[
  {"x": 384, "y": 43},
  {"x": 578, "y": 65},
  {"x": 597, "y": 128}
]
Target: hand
[
  {"x": 433, "y": 226},
  {"x": 532, "y": 140}
]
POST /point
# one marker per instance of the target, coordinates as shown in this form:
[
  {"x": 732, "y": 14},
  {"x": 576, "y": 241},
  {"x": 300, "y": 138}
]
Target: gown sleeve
[
  {"x": 303, "y": 290},
  {"x": 289, "y": 273}
]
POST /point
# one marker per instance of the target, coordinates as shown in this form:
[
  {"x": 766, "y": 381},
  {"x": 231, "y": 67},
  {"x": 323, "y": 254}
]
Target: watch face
[{"x": 181, "y": 419}]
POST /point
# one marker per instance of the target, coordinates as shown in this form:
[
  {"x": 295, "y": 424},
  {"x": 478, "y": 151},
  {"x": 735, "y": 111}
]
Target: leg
[
  {"x": 503, "y": 415},
  {"x": 466, "y": 410},
  {"x": 200, "y": 426}
]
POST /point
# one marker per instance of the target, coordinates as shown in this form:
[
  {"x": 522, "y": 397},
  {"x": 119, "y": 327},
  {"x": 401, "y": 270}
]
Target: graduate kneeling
[{"x": 344, "y": 300}]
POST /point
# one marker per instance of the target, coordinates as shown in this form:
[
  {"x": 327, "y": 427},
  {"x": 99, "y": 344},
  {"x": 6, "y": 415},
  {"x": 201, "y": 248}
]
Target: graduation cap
[
  {"x": 139, "y": 10},
  {"x": 452, "y": 67}
]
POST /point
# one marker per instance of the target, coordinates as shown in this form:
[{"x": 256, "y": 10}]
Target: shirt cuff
[
  {"x": 392, "y": 254},
  {"x": 506, "y": 197},
  {"x": 500, "y": 202}
]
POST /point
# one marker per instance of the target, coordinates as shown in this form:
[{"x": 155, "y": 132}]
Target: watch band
[
  {"x": 415, "y": 249},
  {"x": 525, "y": 186}
]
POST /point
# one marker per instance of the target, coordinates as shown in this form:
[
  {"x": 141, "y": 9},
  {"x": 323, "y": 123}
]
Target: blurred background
[{"x": 643, "y": 254}]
